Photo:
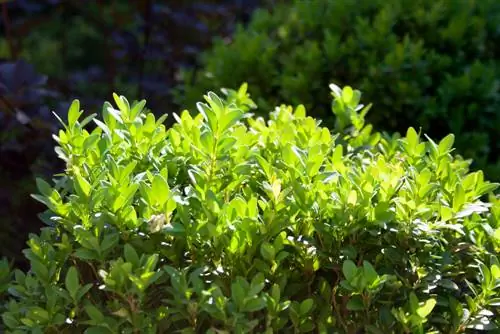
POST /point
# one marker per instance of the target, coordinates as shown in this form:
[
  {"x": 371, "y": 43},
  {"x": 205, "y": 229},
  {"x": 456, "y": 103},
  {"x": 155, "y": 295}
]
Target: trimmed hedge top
[
  {"x": 432, "y": 64},
  {"x": 226, "y": 223}
]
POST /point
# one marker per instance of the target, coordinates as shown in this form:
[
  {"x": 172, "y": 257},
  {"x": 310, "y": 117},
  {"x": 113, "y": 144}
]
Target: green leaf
[
  {"x": 458, "y": 198},
  {"x": 349, "y": 270},
  {"x": 9, "y": 320},
  {"x": 414, "y": 303},
  {"x": 209, "y": 115},
  {"x": 74, "y": 113},
  {"x": 109, "y": 241},
  {"x": 94, "y": 313},
  {"x": 383, "y": 212},
  {"x": 39, "y": 314},
  {"x": 424, "y": 310},
  {"x": 90, "y": 141},
  {"x": 412, "y": 138},
  {"x": 352, "y": 199},
  {"x": 495, "y": 271},
  {"x": 137, "y": 109},
  {"x": 72, "y": 283},
  {"x": 151, "y": 262},
  {"x": 347, "y": 94},
  {"x": 257, "y": 284},
  {"x": 369, "y": 272},
  {"x": 82, "y": 291},
  {"x": 131, "y": 255},
  {"x": 254, "y": 304},
  {"x": 86, "y": 254},
  {"x": 486, "y": 188},
  {"x": 238, "y": 292},
  {"x": 355, "y": 304},
  {"x": 306, "y": 306},
  {"x": 276, "y": 293},
  {"x": 39, "y": 269},
  {"x": 82, "y": 186},
  {"x": 87, "y": 120},
  {"x": 230, "y": 118},
  {"x": 267, "y": 251},
  {"x": 160, "y": 190},
  {"x": 446, "y": 144},
  {"x": 307, "y": 326},
  {"x": 44, "y": 188},
  {"x": 122, "y": 104}
]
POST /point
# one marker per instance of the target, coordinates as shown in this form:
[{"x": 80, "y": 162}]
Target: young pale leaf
[
  {"x": 122, "y": 104},
  {"x": 229, "y": 119},
  {"x": 412, "y": 138},
  {"x": 446, "y": 144},
  {"x": 347, "y": 94},
  {"x": 74, "y": 113},
  {"x": 424, "y": 310},
  {"x": 82, "y": 186},
  {"x": 458, "y": 198},
  {"x": 209, "y": 116},
  {"x": 160, "y": 189},
  {"x": 352, "y": 199}
]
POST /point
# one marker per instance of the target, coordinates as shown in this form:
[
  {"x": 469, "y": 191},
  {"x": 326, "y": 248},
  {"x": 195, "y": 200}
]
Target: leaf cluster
[
  {"x": 425, "y": 63},
  {"x": 227, "y": 223}
]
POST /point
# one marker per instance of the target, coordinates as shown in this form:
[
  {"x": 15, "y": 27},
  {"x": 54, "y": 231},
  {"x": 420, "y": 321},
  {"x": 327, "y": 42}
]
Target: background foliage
[{"x": 426, "y": 63}]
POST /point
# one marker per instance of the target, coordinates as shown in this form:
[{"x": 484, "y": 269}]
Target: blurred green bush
[{"x": 433, "y": 64}]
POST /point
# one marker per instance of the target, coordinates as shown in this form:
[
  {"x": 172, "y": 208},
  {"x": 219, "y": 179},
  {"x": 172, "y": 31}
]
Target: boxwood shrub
[
  {"x": 433, "y": 64},
  {"x": 226, "y": 223}
]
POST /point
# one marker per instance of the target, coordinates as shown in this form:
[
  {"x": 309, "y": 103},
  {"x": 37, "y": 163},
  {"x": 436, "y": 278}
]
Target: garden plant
[
  {"x": 430, "y": 64},
  {"x": 227, "y": 223}
]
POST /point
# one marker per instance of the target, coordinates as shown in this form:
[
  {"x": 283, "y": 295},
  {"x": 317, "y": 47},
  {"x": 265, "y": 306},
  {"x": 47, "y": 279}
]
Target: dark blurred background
[{"x": 52, "y": 51}]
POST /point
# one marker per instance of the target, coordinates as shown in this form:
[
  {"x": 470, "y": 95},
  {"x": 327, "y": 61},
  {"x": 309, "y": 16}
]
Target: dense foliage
[
  {"x": 228, "y": 223},
  {"x": 135, "y": 47},
  {"x": 426, "y": 63}
]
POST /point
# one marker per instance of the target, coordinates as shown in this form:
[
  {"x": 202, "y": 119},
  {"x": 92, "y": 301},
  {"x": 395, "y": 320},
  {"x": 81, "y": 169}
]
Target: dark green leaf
[
  {"x": 72, "y": 283},
  {"x": 349, "y": 270},
  {"x": 355, "y": 304}
]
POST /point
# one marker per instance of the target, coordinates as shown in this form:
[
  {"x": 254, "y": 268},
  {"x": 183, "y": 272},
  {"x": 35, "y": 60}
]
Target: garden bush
[
  {"x": 426, "y": 63},
  {"x": 226, "y": 223}
]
